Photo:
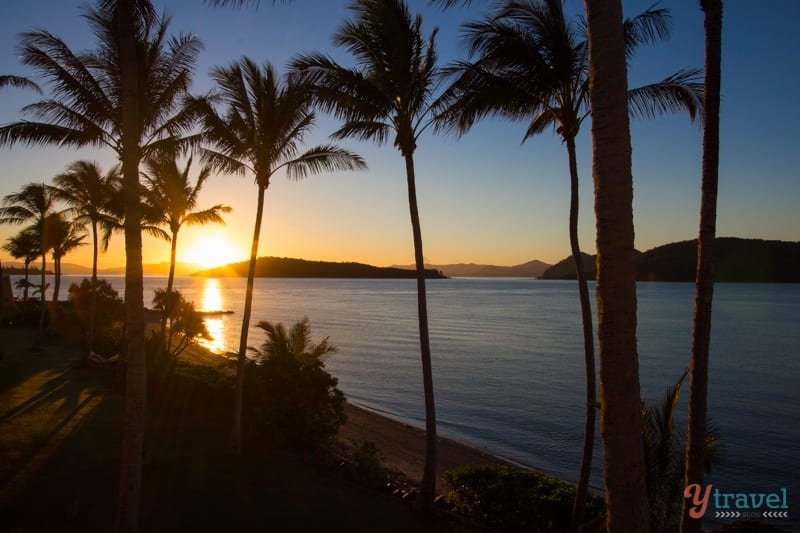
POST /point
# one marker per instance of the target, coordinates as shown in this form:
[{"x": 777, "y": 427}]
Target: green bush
[
  {"x": 512, "y": 499},
  {"x": 289, "y": 388},
  {"x": 366, "y": 464}
]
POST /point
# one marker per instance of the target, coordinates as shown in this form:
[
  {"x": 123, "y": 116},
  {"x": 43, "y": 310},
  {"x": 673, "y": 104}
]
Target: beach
[{"x": 403, "y": 445}]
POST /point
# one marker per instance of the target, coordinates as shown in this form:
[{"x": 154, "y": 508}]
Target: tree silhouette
[
  {"x": 169, "y": 191},
  {"x": 260, "y": 130},
  {"x": 124, "y": 95},
  {"x": 704, "y": 292},
  {"x": 24, "y": 245},
  {"x": 532, "y": 64},
  {"x": 89, "y": 194},
  {"x": 388, "y": 92},
  {"x": 621, "y": 417},
  {"x": 34, "y": 203}
]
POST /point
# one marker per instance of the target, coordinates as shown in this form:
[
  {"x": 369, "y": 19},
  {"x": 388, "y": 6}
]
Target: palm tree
[
  {"x": 122, "y": 95},
  {"x": 62, "y": 236},
  {"x": 533, "y": 65},
  {"x": 170, "y": 191},
  {"x": 172, "y": 196},
  {"x": 701, "y": 334},
  {"x": 88, "y": 192},
  {"x": 24, "y": 245},
  {"x": 261, "y": 131},
  {"x": 34, "y": 203},
  {"x": 621, "y": 417},
  {"x": 390, "y": 91}
]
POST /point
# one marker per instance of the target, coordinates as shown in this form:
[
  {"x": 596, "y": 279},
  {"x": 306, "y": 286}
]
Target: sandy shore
[{"x": 404, "y": 446}]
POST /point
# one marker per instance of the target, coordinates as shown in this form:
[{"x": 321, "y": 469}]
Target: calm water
[{"x": 508, "y": 364}]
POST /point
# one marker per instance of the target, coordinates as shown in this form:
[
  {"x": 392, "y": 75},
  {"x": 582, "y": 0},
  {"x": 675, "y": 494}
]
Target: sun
[{"x": 209, "y": 250}]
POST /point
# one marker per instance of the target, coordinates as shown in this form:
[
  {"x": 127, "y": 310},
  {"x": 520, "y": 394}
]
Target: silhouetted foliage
[
  {"x": 291, "y": 390},
  {"x": 664, "y": 450},
  {"x": 109, "y": 314},
  {"x": 512, "y": 499}
]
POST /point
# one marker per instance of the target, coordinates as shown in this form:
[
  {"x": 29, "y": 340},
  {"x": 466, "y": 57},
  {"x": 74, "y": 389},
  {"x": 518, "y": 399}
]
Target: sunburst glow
[{"x": 211, "y": 250}]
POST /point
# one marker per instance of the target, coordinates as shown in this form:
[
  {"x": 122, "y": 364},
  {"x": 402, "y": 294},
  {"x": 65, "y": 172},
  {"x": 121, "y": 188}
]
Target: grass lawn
[{"x": 60, "y": 441}]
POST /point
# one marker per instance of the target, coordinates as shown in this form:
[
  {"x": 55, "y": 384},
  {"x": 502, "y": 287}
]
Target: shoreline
[{"x": 403, "y": 446}]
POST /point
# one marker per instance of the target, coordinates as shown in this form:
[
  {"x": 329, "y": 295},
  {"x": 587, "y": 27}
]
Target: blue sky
[{"x": 485, "y": 197}]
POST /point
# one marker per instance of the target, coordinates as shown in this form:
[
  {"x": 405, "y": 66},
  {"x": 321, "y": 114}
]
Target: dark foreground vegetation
[{"x": 60, "y": 451}]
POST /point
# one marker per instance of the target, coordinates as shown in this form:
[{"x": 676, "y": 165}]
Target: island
[{"x": 284, "y": 267}]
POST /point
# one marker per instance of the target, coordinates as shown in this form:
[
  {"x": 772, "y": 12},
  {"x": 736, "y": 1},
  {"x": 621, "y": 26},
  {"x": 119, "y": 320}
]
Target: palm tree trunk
[
  {"x": 25, "y": 290},
  {"x": 427, "y": 489},
  {"x": 236, "y": 436},
  {"x": 57, "y": 281},
  {"x": 135, "y": 376},
  {"x": 170, "y": 282},
  {"x": 43, "y": 300},
  {"x": 620, "y": 422},
  {"x": 93, "y": 297},
  {"x": 582, "y": 488},
  {"x": 704, "y": 290}
]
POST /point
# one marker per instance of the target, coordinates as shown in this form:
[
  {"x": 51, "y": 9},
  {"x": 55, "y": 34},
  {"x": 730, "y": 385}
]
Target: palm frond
[
  {"x": 19, "y": 82},
  {"x": 324, "y": 158},
  {"x": 683, "y": 91},
  {"x": 648, "y": 27}
]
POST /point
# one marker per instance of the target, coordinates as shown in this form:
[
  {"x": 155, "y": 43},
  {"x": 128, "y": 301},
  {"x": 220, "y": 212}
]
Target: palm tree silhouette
[
  {"x": 533, "y": 65},
  {"x": 34, "y": 203},
  {"x": 24, "y": 245},
  {"x": 388, "y": 92},
  {"x": 704, "y": 292},
  {"x": 123, "y": 95},
  {"x": 89, "y": 194},
  {"x": 62, "y": 236},
  {"x": 621, "y": 417},
  {"x": 170, "y": 192},
  {"x": 260, "y": 130}
]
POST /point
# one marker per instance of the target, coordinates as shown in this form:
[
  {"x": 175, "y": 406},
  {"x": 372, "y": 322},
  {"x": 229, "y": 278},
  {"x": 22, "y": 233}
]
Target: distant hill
[
  {"x": 736, "y": 260},
  {"x": 283, "y": 267},
  {"x": 531, "y": 269},
  {"x": 565, "y": 269},
  {"x": 153, "y": 269}
]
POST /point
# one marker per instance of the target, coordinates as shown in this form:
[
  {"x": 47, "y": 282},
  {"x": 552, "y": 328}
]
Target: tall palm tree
[
  {"x": 34, "y": 203},
  {"x": 88, "y": 193},
  {"x": 388, "y": 92},
  {"x": 24, "y": 245},
  {"x": 122, "y": 95},
  {"x": 704, "y": 292},
  {"x": 62, "y": 236},
  {"x": 260, "y": 130},
  {"x": 620, "y": 400},
  {"x": 533, "y": 65},
  {"x": 170, "y": 191}
]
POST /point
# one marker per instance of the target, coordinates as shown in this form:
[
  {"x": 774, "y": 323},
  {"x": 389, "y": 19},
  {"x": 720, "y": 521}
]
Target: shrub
[
  {"x": 512, "y": 499},
  {"x": 109, "y": 314},
  {"x": 366, "y": 464},
  {"x": 184, "y": 326},
  {"x": 291, "y": 389}
]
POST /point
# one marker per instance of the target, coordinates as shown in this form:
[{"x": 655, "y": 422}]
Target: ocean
[{"x": 508, "y": 361}]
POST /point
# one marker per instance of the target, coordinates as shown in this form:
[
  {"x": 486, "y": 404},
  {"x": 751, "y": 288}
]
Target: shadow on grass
[{"x": 60, "y": 441}]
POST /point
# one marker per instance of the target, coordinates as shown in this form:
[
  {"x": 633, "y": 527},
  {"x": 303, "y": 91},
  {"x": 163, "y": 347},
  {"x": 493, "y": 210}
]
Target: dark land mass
[
  {"x": 736, "y": 260},
  {"x": 531, "y": 269},
  {"x": 283, "y": 267},
  {"x": 20, "y": 271}
]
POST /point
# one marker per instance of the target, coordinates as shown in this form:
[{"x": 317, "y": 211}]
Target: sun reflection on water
[{"x": 212, "y": 300}]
